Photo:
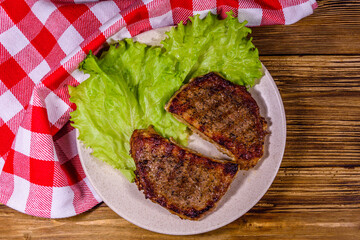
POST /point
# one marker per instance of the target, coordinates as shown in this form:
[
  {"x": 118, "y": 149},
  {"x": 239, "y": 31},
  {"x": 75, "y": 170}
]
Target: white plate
[{"x": 246, "y": 190}]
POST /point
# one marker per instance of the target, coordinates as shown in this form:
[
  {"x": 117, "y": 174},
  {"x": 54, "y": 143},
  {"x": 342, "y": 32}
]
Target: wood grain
[
  {"x": 316, "y": 194},
  {"x": 334, "y": 28}
]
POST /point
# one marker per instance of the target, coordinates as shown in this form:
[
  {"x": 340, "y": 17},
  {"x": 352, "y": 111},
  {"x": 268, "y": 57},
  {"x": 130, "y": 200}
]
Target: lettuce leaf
[
  {"x": 127, "y": 89},
  {"x": 213, "y": 45},
  {"x": 131, "y": 82}
]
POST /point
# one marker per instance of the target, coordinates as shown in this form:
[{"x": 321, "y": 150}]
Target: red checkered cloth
[{"x": 41, "y": 44}]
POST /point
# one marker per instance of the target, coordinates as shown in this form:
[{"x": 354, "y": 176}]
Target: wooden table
[{"x": 316, "y": 194}]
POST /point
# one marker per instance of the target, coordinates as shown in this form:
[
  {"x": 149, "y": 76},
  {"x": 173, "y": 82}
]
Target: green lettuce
[
  {"x": 213, "y": 45},
  {"x": 131, "y": 82}
]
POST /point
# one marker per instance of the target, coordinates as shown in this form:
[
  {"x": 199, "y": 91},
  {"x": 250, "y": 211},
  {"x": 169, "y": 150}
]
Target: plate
[{"x": 246, "y": 190}]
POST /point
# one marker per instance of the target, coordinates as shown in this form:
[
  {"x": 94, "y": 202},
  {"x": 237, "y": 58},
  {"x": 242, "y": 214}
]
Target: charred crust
[
  {"x": 185, "y": 183},
  {"x": 203, "y": 105},
  {"x": 231, "y": 169}
]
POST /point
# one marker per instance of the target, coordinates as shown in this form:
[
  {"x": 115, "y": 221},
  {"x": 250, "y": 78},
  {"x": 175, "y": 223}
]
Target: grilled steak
[
  {"x": 223, "y": 113},
  {"x": 183, "y": 182}
]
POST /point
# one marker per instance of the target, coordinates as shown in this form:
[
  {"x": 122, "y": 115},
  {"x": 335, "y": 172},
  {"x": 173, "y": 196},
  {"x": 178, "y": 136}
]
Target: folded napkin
[{"x": 41, "y": 44}]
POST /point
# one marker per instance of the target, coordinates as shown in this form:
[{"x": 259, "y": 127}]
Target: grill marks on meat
[
  {"x": 224, "y": 114},
  {"x": 185, "y": 183}
]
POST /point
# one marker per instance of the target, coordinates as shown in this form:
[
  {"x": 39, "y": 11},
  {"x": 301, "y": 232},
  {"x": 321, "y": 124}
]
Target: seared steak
[
  {"x": 223, "y": 113},
  {"x": 183, "y": 182}
]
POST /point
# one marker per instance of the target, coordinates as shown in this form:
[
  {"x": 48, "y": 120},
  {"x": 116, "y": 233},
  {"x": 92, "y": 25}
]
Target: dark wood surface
[{"x": 316, "y": 194}]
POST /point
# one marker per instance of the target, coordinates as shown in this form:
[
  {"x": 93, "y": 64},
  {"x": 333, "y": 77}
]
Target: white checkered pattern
[
  {"x": 22, "y": 141},
  {"x": 43, "y": 9},
  {"x": 13, "y": 40},
  {"x": 252, "y": 15},
  {"x": 69, "y": 40},
  {"x": 61, "y": 204},
  {"x": 55, "y": 106},
  {"x": 19, "y": 198},
  {"x": 9, "y": 106},
  {"x": 39, "y": 72},
  {"x": 104, "y": 11}
]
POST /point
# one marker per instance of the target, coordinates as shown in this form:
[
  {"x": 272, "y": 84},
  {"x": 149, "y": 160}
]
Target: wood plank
[
  {"x": 321, "y": 95},
  {"x": 333, "y": 29},
  {"x": 262, "y": 222},
  {"x": 320, "y": 173}
]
